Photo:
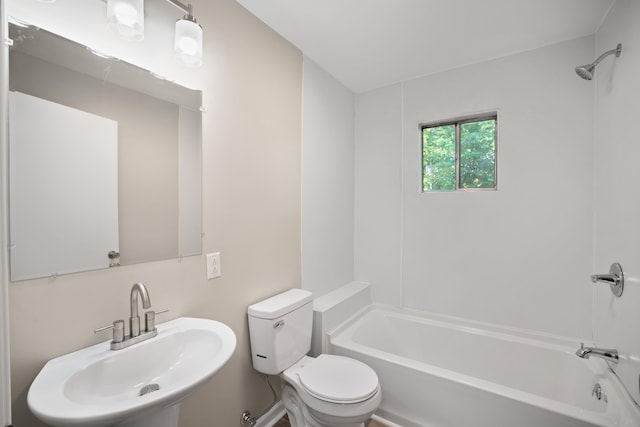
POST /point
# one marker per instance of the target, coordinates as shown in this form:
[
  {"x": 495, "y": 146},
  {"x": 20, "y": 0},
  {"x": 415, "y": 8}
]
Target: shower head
[{"x": 586, "y": 71}]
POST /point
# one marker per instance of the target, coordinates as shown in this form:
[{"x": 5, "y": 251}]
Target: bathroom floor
[{"x": 284, "y": 422}]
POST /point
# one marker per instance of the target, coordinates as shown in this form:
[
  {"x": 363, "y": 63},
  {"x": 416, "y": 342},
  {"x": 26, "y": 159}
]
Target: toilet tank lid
[{"x": 280, "y": 304}]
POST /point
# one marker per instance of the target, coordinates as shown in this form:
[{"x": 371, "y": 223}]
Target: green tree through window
[{"x": 459, "y": 155}]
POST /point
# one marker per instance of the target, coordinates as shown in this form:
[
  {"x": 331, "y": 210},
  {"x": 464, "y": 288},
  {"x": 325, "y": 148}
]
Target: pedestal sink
[{"x": 138, "y": 386}]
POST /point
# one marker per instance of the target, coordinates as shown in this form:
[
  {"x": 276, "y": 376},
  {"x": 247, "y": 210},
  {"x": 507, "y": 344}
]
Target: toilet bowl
[
  {"x": 327, "y": 391},
  {"x": 331, "y": 391}
]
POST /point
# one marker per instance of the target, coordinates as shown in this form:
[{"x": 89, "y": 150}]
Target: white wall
[
  {"x": 378, "y": 197},
  {"x": 617, "y": 206},
  {"x": 327, "y": 181},
  {"x": 519, "y": 256}
]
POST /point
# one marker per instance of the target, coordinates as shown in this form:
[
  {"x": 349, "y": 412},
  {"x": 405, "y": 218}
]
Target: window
[{"x": 460, "y": 155}]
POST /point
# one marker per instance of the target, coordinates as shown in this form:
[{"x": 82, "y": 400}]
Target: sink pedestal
[{"x": 165, "y": 417}]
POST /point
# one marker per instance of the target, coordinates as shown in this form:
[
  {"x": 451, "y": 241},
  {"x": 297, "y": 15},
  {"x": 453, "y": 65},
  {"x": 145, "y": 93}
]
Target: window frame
[{"x": 457, "y": 123}]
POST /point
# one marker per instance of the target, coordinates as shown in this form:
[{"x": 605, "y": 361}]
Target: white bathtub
[{"x": 438, "y": 371}]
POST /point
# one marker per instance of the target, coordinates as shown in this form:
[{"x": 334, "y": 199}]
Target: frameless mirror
[{"x": 105, "y": 160}]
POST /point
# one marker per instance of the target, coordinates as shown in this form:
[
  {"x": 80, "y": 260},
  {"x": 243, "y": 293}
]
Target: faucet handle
[
  {"x": 615, "y": 279},
  {"x": 118, "y": 330},
  {"x": 150, "y": 319}
]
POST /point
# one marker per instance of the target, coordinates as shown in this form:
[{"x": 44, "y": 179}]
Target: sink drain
[{"x": 149, "y": 388}]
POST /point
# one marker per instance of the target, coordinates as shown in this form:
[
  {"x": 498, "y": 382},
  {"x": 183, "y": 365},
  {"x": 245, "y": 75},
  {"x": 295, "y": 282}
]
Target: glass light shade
[
  {"x": 126, "y": 17},
  {"x": 188, "y": 42}
]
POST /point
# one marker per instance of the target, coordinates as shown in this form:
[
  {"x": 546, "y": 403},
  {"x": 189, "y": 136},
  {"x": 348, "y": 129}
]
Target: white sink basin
[{"x": 99, "y": 387}]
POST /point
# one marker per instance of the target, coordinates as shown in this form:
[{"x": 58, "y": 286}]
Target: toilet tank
[{"x": 280, "y": 330}]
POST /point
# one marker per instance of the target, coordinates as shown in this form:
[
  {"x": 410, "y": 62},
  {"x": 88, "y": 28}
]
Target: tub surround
[
  {"x": 616, "y": 236},
  {"x": 479, "y": 255},
  {"x": 528, "y": 241},
  {"x": 333, "y": 308}
]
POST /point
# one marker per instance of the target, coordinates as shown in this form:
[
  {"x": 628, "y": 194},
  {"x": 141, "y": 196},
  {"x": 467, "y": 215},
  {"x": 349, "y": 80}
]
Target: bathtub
[{"x": 438, "y": 371}]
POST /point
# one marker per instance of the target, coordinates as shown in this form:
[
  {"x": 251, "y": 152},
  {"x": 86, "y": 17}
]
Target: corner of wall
[{"x": 5, "y": 381}]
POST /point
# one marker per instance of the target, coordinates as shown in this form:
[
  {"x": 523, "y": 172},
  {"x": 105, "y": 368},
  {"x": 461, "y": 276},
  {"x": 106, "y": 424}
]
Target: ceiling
[{"x": 367, "y": 44}]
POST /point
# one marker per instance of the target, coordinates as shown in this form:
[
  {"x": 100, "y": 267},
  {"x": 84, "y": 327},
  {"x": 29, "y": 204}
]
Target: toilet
[{"x": 326, "y": 391}]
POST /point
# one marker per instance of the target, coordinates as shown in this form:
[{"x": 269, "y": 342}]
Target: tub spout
[{"x": 609, "y": 355}]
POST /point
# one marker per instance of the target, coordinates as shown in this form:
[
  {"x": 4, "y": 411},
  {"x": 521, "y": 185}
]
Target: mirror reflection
[{"x": 104, "y": 159}]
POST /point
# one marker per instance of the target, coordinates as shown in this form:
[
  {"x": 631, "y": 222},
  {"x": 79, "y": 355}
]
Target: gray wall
[{"x": 251, "y": 82}]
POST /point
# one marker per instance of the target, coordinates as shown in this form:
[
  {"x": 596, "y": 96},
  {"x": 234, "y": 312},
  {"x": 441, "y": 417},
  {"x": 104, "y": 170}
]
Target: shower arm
[{"x": 617, "y": 51}]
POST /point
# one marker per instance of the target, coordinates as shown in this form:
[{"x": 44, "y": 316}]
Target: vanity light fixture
[
  {"x": 188, "y": 37},
  {"x": 126, "y": 17}
]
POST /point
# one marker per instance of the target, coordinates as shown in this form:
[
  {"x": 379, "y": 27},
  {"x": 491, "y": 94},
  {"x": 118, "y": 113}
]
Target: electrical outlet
[{"x": 214, "y": 269}]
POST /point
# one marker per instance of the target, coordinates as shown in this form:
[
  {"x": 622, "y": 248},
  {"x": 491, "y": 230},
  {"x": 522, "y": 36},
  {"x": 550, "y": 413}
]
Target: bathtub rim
[
  {"x": 617, "y": 410},
  {"x": 468, "y": 325}
]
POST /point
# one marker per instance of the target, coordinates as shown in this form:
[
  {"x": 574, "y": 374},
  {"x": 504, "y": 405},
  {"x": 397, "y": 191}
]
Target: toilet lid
[{"x": 339, "y": 379}]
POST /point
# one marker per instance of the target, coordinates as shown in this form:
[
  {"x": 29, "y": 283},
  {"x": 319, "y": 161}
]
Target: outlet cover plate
[{"x": 214, "y": 269}]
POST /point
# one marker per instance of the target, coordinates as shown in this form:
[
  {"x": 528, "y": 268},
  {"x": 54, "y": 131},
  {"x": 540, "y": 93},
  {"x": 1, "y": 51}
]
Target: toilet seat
[
  {"x": 338, "y": 379},
  {"x": 332, "y": 396}
]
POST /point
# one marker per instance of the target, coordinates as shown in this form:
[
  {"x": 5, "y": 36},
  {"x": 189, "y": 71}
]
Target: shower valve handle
[{"x": 615, "y": 279}]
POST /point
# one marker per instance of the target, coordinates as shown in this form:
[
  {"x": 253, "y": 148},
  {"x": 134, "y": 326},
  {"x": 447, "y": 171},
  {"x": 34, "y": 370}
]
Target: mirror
[{"x": 105, "y": 158}]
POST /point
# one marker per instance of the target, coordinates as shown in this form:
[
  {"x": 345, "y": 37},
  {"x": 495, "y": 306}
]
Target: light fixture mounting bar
[{"x": 188, "y": 9}]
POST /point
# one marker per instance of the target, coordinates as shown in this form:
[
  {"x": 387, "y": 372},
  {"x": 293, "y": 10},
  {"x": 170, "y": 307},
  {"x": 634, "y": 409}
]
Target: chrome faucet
[
  {"x": 120, "y": 340},
  {"x": 134, "y": 320},
  {"x": 609, "y": 355}
]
